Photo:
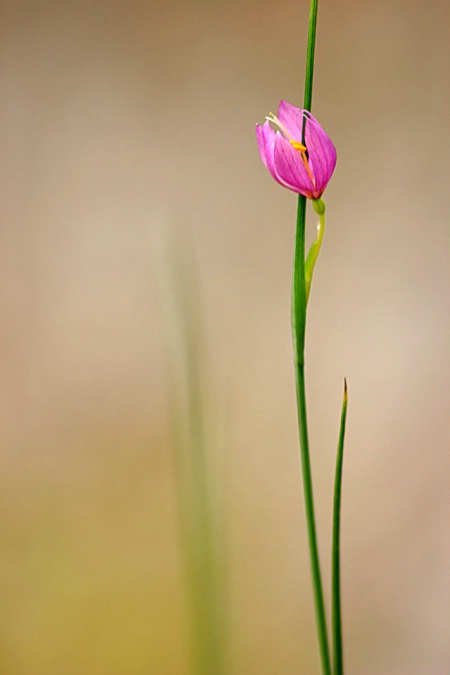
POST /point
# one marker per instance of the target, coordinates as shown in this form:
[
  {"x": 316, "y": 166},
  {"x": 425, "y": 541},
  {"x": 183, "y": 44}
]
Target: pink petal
[
  {"x": 292, "y": 118},
  {"x": 265, "y": 137},
  {"x": 322, "y": 154},
  {"x": 290, "y": 169}
]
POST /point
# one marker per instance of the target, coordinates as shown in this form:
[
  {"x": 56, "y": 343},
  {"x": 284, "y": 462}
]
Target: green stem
[
  {"x": 310, "y": 51},
  {"x": 299, "y": 301},
  {"x": 336, "y": 566},
  {"x": 314, "y": 251},
  {"x": 298, "y": 329}
]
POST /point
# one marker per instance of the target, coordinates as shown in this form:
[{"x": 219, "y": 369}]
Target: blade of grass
[
  {"x": 200, "y": 524},
  {"x": 338, "y": 667}
]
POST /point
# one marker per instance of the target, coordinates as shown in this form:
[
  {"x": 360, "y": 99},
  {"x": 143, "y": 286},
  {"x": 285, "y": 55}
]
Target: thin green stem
[
  {"x": 299, "y": 289},
  {"x": 298, "y": 329},
  {"x": 336, "y": 565},
  {"x": 299, "y": 301},
  {"x": 314, "y": 251},
  {"x": 310, "y": 52}
]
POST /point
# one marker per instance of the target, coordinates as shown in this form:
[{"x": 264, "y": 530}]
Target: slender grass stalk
[
  {"x": 338, "y": 667},
  {"x": 299, "y": 302},
  {"x": 196, "y": 504},
  {"x": 310, "y": 53},
  {"x": 298, "y": 329}
]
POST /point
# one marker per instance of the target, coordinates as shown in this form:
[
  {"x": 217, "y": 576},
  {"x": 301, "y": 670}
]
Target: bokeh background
[{"x": 122, "y": 123}]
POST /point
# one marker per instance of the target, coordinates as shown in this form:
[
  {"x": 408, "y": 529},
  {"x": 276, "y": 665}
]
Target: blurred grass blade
[
  {"x": 200, "y": 524},
  {"x": 338, "y": 667}
]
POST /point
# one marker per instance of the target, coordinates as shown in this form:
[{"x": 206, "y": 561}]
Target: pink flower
[{"x": 305, "y": 169}]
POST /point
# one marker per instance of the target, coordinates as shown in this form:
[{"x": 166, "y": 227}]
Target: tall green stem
[
  {"x": 298, "y": 329},
  {"x": 310, "y": 52},
  {"x": 299, "y": 301}
]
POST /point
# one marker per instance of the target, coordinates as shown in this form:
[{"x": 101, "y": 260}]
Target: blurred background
[{"x": 123, "y": 123}]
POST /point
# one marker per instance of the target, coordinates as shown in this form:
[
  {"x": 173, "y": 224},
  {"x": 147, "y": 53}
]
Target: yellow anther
[{"x": 298, "y": 146}]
